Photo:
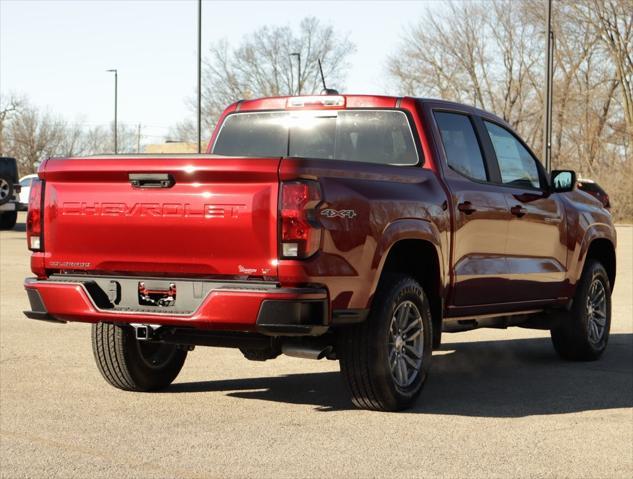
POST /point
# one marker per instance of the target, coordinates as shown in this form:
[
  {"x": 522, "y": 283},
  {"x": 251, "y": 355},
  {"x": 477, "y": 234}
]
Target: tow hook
[{"x": 145, "y": 332}]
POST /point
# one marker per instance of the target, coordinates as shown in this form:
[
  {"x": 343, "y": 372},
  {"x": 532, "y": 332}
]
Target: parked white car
[{"x": 25, "y": 183}]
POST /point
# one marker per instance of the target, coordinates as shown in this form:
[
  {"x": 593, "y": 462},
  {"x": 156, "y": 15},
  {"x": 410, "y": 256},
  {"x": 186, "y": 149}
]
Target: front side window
[
  {"x": 371, "y": 136},
  {"x": 516, "y": 164},
  {"x": 461, "y": 146}
]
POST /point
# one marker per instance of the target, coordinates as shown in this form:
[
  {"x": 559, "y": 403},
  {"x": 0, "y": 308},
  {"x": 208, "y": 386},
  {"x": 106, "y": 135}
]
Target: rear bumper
[
  {"x": 9, "y": 206},
  {"x": 228, "y": 307}
]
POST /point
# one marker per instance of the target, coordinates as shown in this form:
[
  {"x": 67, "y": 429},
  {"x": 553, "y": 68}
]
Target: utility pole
[
  {"x": 199, "y": 76},
  {"x": 549, "y": 83},
  {"x": 138, "y": 139},
  {"x": 298, "y": 55},
  {"x": 116, "y": 92}
]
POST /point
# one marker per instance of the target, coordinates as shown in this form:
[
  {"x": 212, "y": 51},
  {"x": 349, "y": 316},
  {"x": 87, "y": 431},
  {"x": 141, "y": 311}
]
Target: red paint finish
[
  {"x": 352, "y": 249},
  {"x": 229, "y": 310},
  {"x": 218, "y": 219},
  {"x": 498, "y": 249}
]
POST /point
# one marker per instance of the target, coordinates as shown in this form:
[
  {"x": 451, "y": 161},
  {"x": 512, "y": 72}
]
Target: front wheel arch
[{"x": 603, "y": 251}]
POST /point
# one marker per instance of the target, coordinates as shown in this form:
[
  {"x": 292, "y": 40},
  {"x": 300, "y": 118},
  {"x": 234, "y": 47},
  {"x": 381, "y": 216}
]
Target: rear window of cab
[{"x": 370, "y": 136}]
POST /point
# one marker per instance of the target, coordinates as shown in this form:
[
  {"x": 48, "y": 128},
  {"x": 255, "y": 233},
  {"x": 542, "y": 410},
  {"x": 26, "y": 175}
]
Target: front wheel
[
  {"x": 583, "y": 332},
  {"x": 133, "y": 365},
  {"x": 386, "y": 359}
]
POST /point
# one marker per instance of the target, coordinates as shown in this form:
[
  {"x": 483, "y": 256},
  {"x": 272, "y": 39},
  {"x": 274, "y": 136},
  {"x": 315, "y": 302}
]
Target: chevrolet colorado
[{"x": 347, "y": 227}]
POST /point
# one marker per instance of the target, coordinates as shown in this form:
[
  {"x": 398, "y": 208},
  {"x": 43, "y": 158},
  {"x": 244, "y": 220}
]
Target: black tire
[
  {"x": 6, "y": 189},
  {"x": 133, "y": 365},
  {"x": 575, "y": 337},
  {"x": 8, "y": 220},
  {"x": 366, "y": 355}
]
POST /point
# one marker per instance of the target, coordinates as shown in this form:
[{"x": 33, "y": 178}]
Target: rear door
[
  {"x": 480, "y": 216},
  {"x": 536, "y": 251},
  {"x": 176, "y": 216}
]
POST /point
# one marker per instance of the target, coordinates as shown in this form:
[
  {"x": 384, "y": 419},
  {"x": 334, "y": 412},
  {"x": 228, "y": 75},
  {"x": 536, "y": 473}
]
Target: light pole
[
  {"x": 199, "y": 76},
  {"x": 549, "y": 67},
  {"x": 116, "y": 93},
  {"x": 298, "y": 55}
]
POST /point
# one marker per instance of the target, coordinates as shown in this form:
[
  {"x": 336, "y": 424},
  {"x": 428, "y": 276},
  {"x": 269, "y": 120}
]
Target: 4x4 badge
[{"x": 330, "y": 213}]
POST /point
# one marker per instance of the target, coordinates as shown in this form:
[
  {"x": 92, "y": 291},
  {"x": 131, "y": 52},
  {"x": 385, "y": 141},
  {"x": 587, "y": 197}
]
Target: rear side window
[
  {"x": 26, "y": 182},
  {"x": 371, "y": 136},
  {"x": 516, "y": 164},
  {"x": 463, "y": 153}
]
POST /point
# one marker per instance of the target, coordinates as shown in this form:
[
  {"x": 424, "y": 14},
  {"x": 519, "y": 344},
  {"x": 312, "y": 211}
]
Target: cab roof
[{"x": 343, "y": 101}]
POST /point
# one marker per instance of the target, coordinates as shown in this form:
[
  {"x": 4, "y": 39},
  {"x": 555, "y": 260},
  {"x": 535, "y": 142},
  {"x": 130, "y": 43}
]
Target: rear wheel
[
  {"x": 8, "y": 220},
  {"x": 583, "y": 332},
  {"x": 133, "y": 365},
  {"x": 386, "y": 359}
]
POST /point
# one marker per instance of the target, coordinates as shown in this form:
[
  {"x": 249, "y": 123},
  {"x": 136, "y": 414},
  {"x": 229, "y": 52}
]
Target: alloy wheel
[
  {"x": 406, "y": 344},
  {"x": 596, "y": 311}
]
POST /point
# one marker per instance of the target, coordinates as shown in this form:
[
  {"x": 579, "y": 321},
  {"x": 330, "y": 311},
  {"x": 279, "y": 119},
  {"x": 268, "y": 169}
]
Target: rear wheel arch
[{"x": 420, "y": 259}]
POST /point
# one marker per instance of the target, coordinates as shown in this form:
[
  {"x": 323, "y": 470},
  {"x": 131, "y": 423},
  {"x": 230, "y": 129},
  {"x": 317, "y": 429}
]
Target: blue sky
[{"x": 56, "y": 52}]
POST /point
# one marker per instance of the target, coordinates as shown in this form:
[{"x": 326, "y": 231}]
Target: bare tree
[
  {"x": 612, "y": 20},
  {"x": 475, "y": 53},
  {"x": 261, "y": 65},
  {"x": 30, "y": 135},
  {"x": 9, "y": 107},
  {"x": 490, "y": 54},
  {"x": 99, "y": 140},
  {"x": 33, "y": 135}
]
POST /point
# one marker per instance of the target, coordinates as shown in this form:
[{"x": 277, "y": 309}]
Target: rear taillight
[
  {"x": 35, "y": 217},
  {"x": 300, "y": 231}
]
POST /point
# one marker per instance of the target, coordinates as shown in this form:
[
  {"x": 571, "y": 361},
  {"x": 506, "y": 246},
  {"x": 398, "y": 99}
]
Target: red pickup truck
[{"x": 349, "y": 227}]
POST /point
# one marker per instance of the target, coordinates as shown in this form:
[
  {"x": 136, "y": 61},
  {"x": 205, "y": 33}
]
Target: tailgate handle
[{"x": 151, "y": 180}]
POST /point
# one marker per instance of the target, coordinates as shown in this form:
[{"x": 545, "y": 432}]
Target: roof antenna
[{"x": 326, "y": 90}]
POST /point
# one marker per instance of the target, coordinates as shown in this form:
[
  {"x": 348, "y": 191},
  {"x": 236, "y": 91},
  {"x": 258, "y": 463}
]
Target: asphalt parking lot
[{"x": 499, "y": 403}]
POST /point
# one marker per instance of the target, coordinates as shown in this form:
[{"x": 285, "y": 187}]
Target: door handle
[
  {"x": 466, "y": 207},
  {"x": 151, "y": 180},
  {"x": 518, "y": 211}
]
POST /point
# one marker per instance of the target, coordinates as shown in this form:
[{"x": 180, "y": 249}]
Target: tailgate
[{"x": 215, "y": 216}]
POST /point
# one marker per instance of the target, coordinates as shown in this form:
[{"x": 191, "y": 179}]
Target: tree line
[
  {"x": 491, "y": 55},
  {"x": 486, "y": 53},
  {"x": 30, "y": 134}
]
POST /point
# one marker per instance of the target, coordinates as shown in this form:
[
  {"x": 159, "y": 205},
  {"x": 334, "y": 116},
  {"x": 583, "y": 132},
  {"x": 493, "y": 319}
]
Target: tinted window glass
[
  {"x": 372, "y": 136},
  {"x": 375, "y": 137},
  {"x": 312, "y": 136},
  {"x": 460, "y": 144},
  {"x": 26, "y": 183},
  {"x": 517, "y": 165},
  {"x": 253, "y": 134}
]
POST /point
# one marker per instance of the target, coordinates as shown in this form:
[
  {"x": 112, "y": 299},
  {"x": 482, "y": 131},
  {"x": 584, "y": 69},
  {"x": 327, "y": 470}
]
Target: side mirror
[{"x": 563, "y": 180}]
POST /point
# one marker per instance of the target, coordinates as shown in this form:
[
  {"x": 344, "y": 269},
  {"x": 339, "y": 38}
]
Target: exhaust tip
[{"x": 306, "y": 351}]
